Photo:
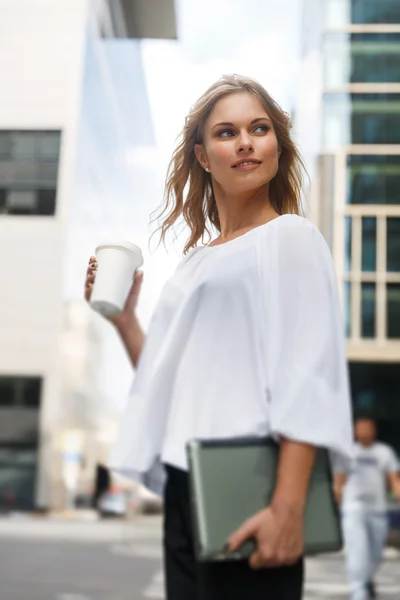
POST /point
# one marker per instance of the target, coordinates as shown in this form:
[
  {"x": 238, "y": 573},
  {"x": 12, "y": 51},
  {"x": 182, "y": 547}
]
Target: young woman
[{"x": 246, "y": 340}]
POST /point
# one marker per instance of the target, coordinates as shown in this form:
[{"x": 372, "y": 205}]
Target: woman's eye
[
  {"x": 225, "y": 133},
  {"x": 262, "y": 128}
]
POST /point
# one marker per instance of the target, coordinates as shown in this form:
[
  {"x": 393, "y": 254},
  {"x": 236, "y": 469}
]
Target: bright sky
[{"x": 257, "y": 38}]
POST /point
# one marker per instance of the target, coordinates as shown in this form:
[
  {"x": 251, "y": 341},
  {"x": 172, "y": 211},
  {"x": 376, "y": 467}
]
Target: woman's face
[{"x": 240, "y": 147}]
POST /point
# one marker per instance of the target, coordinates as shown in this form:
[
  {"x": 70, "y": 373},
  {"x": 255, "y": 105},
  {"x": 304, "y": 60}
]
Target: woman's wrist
[
  {"x": 125, "y": 323},
  {"x": 132, "y": 336},
  {"x": 296, "y": 461},
  {"x": 288, "y": 504}
]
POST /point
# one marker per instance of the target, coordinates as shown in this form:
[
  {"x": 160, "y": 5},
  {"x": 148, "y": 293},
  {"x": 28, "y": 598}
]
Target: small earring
[{"x": 207, "y": 169}]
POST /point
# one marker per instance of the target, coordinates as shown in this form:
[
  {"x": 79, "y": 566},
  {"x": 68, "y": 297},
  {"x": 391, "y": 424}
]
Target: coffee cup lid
[{"x": 122, "y": 244}]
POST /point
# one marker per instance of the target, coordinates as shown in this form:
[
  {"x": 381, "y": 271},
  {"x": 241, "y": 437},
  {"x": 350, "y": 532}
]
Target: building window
[
  {"x": 20, "y": 392},
  {"x": 361, "y": 119},
  {"x": 361, "y": 58},
  {"x": 347, "y": 307},
  {"x": 375, "y": 11},
  {"x": 27, "y": 202},
  {"x": 368, "y": 248},
  {"x": 347, "y": 244},
  {"x": 375, "y": 58},
  {"x": 375, "y": 391},
  {"x": 7, "y": 391},
  {"x": 28, "y": 172},
  {"x": 18, "y": 464},
  {"x": 393, "y": 245},
  {"x": 364, "y": 274},
  {"x": 29, "y": 145},
  {"x": 343, "y": 12},
  {"x": 393, "y": 310},
  {"x": 373, "y": 179},
  {"x": 368, "y": 309}
]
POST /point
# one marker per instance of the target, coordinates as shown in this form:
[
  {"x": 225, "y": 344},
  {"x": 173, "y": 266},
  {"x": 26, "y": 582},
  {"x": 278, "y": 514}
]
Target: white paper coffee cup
[{"x": 117, "y": 263}]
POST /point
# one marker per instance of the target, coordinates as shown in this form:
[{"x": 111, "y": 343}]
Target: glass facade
[
  {"x": 339, "y": 13},
  {"x": 368, "y": 250},
  {"x": 375, "y": 390},
  {"x": 30, "y": 145},
  {"x": 393, "y": 310},
  {"x": 361, "y": 66},
  {"x": 361, "y": 119},
  {"x": 368, "y": 309},
  {"x": 17, "y": 477},
  {"x": 373, "y": 179},
  {"x": 20, "y": 399},
  {"x": 347, "y": 307},
  {"x": 393, "y": 245},
  {"x": 22, "y": 392},
  {"x": 28, "y": 172},
  {"x": 375, "y": 11},
  {"x": 361, "y": 58},
  {"x": 347, "y": 244},
  {"x": 27, "y": 202}
]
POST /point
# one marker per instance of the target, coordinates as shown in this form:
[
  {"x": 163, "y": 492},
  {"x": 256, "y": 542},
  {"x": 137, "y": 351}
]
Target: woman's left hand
[{"x": 278, "y": 533}]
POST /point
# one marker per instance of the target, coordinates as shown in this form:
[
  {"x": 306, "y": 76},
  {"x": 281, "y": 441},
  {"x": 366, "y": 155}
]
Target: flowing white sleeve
[{"x": 307, "y": 379}]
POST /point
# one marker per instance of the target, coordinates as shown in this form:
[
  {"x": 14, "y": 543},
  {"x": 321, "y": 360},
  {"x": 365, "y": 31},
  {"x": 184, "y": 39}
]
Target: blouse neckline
[{"x": 247, "y": 233}]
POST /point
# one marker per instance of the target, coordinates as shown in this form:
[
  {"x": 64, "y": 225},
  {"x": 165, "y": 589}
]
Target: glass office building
[{"x": 351, "y": 68}]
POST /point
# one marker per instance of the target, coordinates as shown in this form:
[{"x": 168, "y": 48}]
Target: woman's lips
[{"x": 247, "y": 165}]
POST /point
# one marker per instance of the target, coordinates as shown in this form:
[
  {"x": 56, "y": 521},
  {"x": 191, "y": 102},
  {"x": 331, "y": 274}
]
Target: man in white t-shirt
[{"x": 363, "y": 492}]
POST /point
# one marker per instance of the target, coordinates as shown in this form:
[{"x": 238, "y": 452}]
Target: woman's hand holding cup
[{"x": 128, "y": 314}]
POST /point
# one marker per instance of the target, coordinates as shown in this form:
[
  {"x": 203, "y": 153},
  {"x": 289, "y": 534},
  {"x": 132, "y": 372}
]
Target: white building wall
[
  {"x": 41, "y": 54},
  {"x": 59, "y": 72}
]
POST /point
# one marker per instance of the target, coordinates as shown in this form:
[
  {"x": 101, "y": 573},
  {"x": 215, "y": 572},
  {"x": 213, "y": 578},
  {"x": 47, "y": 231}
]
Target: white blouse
[{"x": 247, "y": 339}]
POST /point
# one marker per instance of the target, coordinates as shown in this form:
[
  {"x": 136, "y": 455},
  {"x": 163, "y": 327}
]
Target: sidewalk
[
  {"x": 80, "y": 526},
  {"x": 86, "y": 526}
]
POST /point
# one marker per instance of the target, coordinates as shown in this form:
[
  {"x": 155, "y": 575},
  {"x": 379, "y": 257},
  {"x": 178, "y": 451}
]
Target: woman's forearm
[
  {"x": 296, "y": 461},
  {"x": 132, "y": 337}
]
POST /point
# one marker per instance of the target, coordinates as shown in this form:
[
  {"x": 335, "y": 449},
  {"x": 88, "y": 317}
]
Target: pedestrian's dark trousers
[{"x": 186, "y": 579}]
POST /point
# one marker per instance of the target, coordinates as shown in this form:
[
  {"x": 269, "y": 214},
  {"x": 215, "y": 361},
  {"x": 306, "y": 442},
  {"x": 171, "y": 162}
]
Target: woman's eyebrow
[{"x": 228, "y": 124}]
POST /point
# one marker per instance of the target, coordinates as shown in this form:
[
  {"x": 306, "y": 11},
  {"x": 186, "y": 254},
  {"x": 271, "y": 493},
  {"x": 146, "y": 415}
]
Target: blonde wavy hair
[{"x": 188, "y": 188}]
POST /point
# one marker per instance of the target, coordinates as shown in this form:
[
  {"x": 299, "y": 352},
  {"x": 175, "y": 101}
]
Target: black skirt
[{"x": 186, "y": 579}]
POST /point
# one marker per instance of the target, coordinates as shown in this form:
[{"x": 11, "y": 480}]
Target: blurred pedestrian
[
  {"x": 246, "y": 340},
  {"x": 364, "y": 506},
  {"x": 101, "y": 485}
]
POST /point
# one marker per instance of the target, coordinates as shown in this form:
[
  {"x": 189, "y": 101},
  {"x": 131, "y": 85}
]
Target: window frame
[
  {"x": 22, "y": 387},
  {"x": 43, "y": 159},
  {"x": 355, "y": 276}
]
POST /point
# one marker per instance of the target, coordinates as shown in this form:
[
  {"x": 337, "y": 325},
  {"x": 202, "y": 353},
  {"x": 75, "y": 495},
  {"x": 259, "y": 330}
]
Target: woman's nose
[{"x": 245, "y": 144}]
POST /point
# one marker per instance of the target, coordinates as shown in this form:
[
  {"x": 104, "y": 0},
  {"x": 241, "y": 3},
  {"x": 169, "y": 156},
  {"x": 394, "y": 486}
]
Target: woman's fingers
[
  {"x": 256, "y": 561},
  {"x": 92, "y": 265},
  {"x": 134, "y": 293},
  {"x": 90, "y": 277},
  {"x": 88, "y": 290}
]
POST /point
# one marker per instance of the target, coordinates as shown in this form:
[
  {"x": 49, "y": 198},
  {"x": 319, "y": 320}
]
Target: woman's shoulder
[
  {"x": 294, "y": 241},
  {"x": 293, "y": 222},
  {"x": 292, "y": 229}
]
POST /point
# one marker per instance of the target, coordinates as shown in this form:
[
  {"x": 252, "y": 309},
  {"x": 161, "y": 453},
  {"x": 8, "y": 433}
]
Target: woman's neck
[{"x": 238, "y": 214}]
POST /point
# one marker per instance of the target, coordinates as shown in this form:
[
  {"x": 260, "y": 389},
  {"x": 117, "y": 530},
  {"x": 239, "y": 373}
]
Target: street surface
[{"x": 44, "y": 559}]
